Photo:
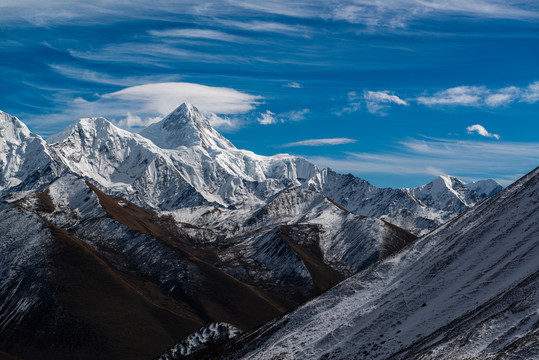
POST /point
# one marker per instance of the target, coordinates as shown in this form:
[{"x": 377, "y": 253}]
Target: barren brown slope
[
  {"x": 218, "y": 296},
  {"x": 323, "y": 275},
  {"x": 90, "y": 310},
  {"x": 129, "y": 316}
]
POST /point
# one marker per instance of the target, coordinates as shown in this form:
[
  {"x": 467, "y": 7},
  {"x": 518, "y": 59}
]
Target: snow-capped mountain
[
  {"x": 182, "y": 161},
  {"x": 25, "y": 162},
  {"x": 468, "y": 290},
  {"x": 186, "y": 163},
  {"x": 418, "y": 210},
  {"x": 185, "y": 127}
]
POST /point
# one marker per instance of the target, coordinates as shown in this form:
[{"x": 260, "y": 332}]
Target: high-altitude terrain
[
  {"x": 467, "y": 290},
  {"x": 119, "y": 245}
]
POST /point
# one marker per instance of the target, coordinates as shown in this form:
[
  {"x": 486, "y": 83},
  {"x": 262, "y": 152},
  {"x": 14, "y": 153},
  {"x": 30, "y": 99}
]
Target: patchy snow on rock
[{"x": 201, "y": 339}]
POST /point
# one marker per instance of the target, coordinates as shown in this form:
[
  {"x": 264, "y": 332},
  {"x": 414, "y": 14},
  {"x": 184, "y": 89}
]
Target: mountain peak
[
  {"x": 487, "y": 187},
  {"x": 185, "y": 127},
  {"x": 12, "y": 129},
  {"x": 23, "y": 155},
  {"x": 186, "y": 112},
  {"x": 85, "y": 127}
]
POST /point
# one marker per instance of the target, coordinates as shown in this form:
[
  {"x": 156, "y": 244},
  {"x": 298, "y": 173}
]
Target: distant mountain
[
  {"x": 418, "y": 210},
  {"x": 182, "y": 161},
  {"x": 468, "y": 290}
]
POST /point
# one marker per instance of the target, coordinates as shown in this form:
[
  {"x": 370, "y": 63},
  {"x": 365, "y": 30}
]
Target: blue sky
[{"x": 395, "y": 92}]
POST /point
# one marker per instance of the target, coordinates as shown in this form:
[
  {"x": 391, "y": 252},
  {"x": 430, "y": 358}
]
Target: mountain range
[{"x": 118, "y": 245}]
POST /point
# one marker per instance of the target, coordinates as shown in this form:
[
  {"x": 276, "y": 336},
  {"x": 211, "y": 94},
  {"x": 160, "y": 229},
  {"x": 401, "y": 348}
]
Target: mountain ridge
[{"x": 212, "y": 171}]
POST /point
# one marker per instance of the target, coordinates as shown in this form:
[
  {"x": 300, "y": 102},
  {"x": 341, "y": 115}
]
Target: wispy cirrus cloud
[
  {"x": 460, "y": 95},
  {"x": 153, "y": 54},
  {"x": 400, "y": 13},
  {"x": 198, "y": 34},
  {"x": 389, "y": 13},
  {"x": 262, "y": 26},
  {"x": 503, "y": 161},
  {"x": 76, "y": 73},
  {"x": 320, "y": 142},
  {"x": 479, "y": 129}
]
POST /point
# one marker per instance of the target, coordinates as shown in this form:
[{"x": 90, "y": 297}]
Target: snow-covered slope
[
  {"x": 468, "y": 290},
  {"x": 123, "y": 163},
  {"x": 485, "y": 188},
  {"x": 25, "y": 162},
  {"x": 418, "y": 210},
  {"x": 221, "y": 172},
  {"x": 298, "y": 227},
  {"x": 25, "y": 246}
]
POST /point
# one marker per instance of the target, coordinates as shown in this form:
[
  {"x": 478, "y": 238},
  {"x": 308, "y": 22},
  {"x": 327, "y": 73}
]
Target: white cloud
[
  {"x": 378, "y": 101},
  {"x": 142, "y": 105},
  {"x": 269, "y": 27},
  {"x": 267, "y": 118},
  {"x": 460, "y": 95},
  {"x": 294, "y": 85},
  {"x": 531, "y": 93},
  {"x": 481, "y": 131},
  {"x": 320, "y": 142},
  {"x": 354, "y": 104},
  {"x": 502, "y": 97},
  {"x": 133, "y": 121},
  {"x": 503, "y": 161},
  {"x": 481, "y": 96},
  {"x": 294, "y": 115},
  {"x": 223, "y": 122},
  {"x": 153, "y": 54},
  {"x": 162, "y": 98}
]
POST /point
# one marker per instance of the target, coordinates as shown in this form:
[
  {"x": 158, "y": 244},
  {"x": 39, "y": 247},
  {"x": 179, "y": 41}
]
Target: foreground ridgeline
[{"x": 119, "y": 245}]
